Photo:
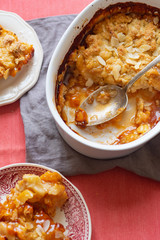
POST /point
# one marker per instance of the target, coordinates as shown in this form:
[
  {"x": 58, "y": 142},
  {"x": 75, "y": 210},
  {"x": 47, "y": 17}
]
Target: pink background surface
[{"x": 123, "y": 206}]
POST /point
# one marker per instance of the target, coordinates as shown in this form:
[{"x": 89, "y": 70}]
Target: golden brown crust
[
  {"x": 116, "y": 44},
  {"x": 13, "y": 53}
]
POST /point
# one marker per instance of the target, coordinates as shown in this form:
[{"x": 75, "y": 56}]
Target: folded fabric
[{"x": 45, "y": 146}]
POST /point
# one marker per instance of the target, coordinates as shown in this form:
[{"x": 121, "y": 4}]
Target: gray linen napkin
[{"x": 45, "y": 146}]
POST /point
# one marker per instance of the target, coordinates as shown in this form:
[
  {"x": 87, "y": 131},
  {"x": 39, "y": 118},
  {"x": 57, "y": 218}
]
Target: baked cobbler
[
  {"x": 28, "y": 210},
  {"x": 13, "y": 53},
  {"x": 116, "y": 44}
]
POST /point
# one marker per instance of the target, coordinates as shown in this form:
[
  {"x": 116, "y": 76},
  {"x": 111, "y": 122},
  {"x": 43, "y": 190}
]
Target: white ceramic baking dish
[{"x": 80, "y": 144}]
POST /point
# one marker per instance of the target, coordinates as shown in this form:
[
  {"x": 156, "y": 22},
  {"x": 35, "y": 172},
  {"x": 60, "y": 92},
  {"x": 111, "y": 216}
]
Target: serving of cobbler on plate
[
  {"x": 28, "y": 211},
  {"x": 37, "y": 202},
  {"x": 117, "y": 43},
  {"x": 21, "y": 56},
  {"x": 13, "y": 53}
]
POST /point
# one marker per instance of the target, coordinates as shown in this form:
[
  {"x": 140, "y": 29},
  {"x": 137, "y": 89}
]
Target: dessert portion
[
  {"x": 117, "y": 43},
  {"x": 13, "y": 53},
  {"x": 28, "y": 210}
]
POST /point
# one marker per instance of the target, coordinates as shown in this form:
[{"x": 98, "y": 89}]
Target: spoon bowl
[
  {"x": 109, "y": 101},
  {"x": 99, "y": 110}
]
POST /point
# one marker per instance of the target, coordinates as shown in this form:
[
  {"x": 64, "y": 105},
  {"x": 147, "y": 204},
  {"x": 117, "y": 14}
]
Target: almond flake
[
  {"x": 114, "y": 42},
  {"x": 101, "y": 60},
  {"x": 89, "y": 82},
  {"x": 133, "y": 56},
  {"x": 46, "y": 225},
  {"x": 144, "y": 47},
  {"x": 39, "y": 230},
  {"x": 156, "y": 20},
  {"x": 121, "y": 37},
  {"x": 155, "y": 53},
  {"x": 115, "y": 50},
  {"x": 121, "y": 43},
  {"x": 132, "y": 50},
  {"x": 136, "y": 50},
  {"x": 137, "y": 65},
  {"x": 155, "y": 13},
  {"x": 109, "y": 48},
  {"x": 115, "y": 71},
  {"x": 132, "y": 62}
]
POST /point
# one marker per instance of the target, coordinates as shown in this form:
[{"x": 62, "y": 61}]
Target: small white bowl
[
  {"x": 74, "y": 215},
  {"x": 80, "y": 144}
]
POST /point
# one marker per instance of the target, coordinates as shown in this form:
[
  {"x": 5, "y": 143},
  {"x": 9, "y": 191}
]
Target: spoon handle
[{"x": 143, "y": 71}]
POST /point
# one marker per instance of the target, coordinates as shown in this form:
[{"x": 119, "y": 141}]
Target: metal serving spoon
[{"x": 109, "y": 101}]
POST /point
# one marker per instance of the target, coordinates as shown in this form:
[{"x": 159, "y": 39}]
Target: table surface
[{"x": 122, "y": 205}]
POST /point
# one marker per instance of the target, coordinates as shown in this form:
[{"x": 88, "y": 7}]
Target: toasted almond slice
[
  {"x": 137, "y": 65},
  {"x": 132, "y": 50},
  {"x": 46, "y": 225},
  {"x": 156, "y": 52},
  {"x": 116, "y": 71},
  {"x": 121, "y": 36},
  {"x": 101, "y": 60},
  {"x": 115, "y": 50},
  {"x": 130, "y": 61},
  {"x": 156, "y": 20},
  {"x": 144, "y": 47},
  {"x": 133, "y": 55},
  {"x": 114, "y": 42},
  {"x": 89, "y": 82},
  {"x": 109, "y": 48},
  {"x": 39, "y": 230}
]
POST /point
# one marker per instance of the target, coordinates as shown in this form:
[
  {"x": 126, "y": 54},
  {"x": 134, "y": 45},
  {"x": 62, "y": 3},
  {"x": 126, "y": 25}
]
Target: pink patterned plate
[{"x": 74, "y": 215}]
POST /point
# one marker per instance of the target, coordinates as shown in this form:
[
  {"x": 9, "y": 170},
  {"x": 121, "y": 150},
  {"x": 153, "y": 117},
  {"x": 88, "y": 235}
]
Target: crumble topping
[
  {"x": 122, "y": 42},
  {"x": 13, "y": 53}
]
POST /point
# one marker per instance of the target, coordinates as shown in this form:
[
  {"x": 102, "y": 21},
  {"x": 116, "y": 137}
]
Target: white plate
[
  {"x": 14, "y": 87},
  {"x": 74, "y": 215}
]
